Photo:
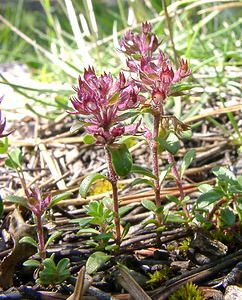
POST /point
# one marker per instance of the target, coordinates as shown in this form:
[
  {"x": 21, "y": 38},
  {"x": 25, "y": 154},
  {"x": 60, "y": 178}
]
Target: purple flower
[
  {"x": 100, "y": 101},
  {"x": 155, "y": 72},
  {"x": 137, "y": 45},
  {"x": 2, "y": 123}
]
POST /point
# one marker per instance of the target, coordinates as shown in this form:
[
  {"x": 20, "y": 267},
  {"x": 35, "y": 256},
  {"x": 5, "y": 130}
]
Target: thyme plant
[
  {"x": 156, "y": 79},
  {"x": 105, "y": 106}
]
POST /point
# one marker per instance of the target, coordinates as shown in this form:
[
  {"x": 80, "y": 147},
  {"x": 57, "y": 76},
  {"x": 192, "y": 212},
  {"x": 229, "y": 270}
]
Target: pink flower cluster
[
  {"x": 155, "y": 72},
  {"x": 100, "y": 101}
]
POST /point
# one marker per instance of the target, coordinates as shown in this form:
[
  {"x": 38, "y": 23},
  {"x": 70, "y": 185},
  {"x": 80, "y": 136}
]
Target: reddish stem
[
  {"x": 113, "y": 180},
  {"x": 175, "y": 172},
  {"x": 155, "y": 162},
  {"x": 40, "y": 235}
]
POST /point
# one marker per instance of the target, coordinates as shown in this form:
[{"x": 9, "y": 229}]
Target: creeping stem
[{"x": 113, "y": 179}]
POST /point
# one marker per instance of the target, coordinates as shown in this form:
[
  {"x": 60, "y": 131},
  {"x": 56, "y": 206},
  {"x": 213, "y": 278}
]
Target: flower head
[
  {"x": 137, "y": 45},
  {"x": 155, "y": 71},
  {"x": 100, "y": 100}
]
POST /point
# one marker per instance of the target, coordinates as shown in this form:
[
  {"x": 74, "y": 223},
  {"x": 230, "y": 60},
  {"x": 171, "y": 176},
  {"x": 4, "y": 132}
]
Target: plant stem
[
  {"x": 154, "y": 151},
  {"x": 113, "y": 180},
  {"x": 169, "y": 26},
  {"x": 40, "y": 235},
  {"x": 175, "y": 172}
]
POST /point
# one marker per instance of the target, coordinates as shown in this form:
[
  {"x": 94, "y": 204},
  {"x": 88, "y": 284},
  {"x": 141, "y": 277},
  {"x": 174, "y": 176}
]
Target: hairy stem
[
  {"x": 113, "y": 180},
  {"x": 154, "y": 151},
  {"x": 175, "y": 172}
]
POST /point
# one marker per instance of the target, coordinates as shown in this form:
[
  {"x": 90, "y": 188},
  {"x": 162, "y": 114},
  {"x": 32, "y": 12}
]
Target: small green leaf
[
  {"x": 56, "y": 199},
  {"x": 171, "y": 144},
  {"x": 187, "y": 160},
  {"x": 224, "y": 174},
  {"x": 124, "y": 210},
  {"x": 208, "y": 198},
  {"x": 152, "y": 221},
  {"x": 186, "y": 134},
  {"x": 49, "y": 264},
  {"x": 227, "y": 216},
  {"x": 204, "y": 188},
  {"x": 63, "y": 265},
  {"x": 175, "y": 219},
  {"x": 88, "y": 230},
  {"x": 28, "y": 240},
  {"x": 176, "y": 88},
  {"x": 149, "y": 205},
  {"x": 173, "y": 199},
  {"x": 18, "y": 200},
  {"x": 53, "y": 236},
  {"x": 4, "y": 145},
  {"x": 121, "y": 159},
  {"x": 15, "y": 159},
  {"x": 88, "y": 139},
  {"x": 185, "y": 200},
  {"x": 84, "y": 221},
  {"x": 88, "y": 181},
  {"x": 111, "y": 247},
  {"x": 161, "y": 228},
  {"x": 95, "y": 261},
  {"x": 103, "y": 236},
  {"x": 31, "y": 263},
  {"x": 143, "y": 181},
  {"x": 235, "y": 188},
  {"x": 144, "y": 171}
]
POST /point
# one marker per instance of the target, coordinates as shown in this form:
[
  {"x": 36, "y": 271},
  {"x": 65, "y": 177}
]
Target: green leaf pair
[{"x": 54, "y": 273}]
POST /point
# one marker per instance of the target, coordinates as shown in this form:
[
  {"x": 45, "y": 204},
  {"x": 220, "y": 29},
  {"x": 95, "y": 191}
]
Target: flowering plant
[
  {"x": 103, "y": 104},
  {"x": 155, "y": 77},
  {"x": 46, "y": 269},
  {"x": 100, "y": 103}
]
